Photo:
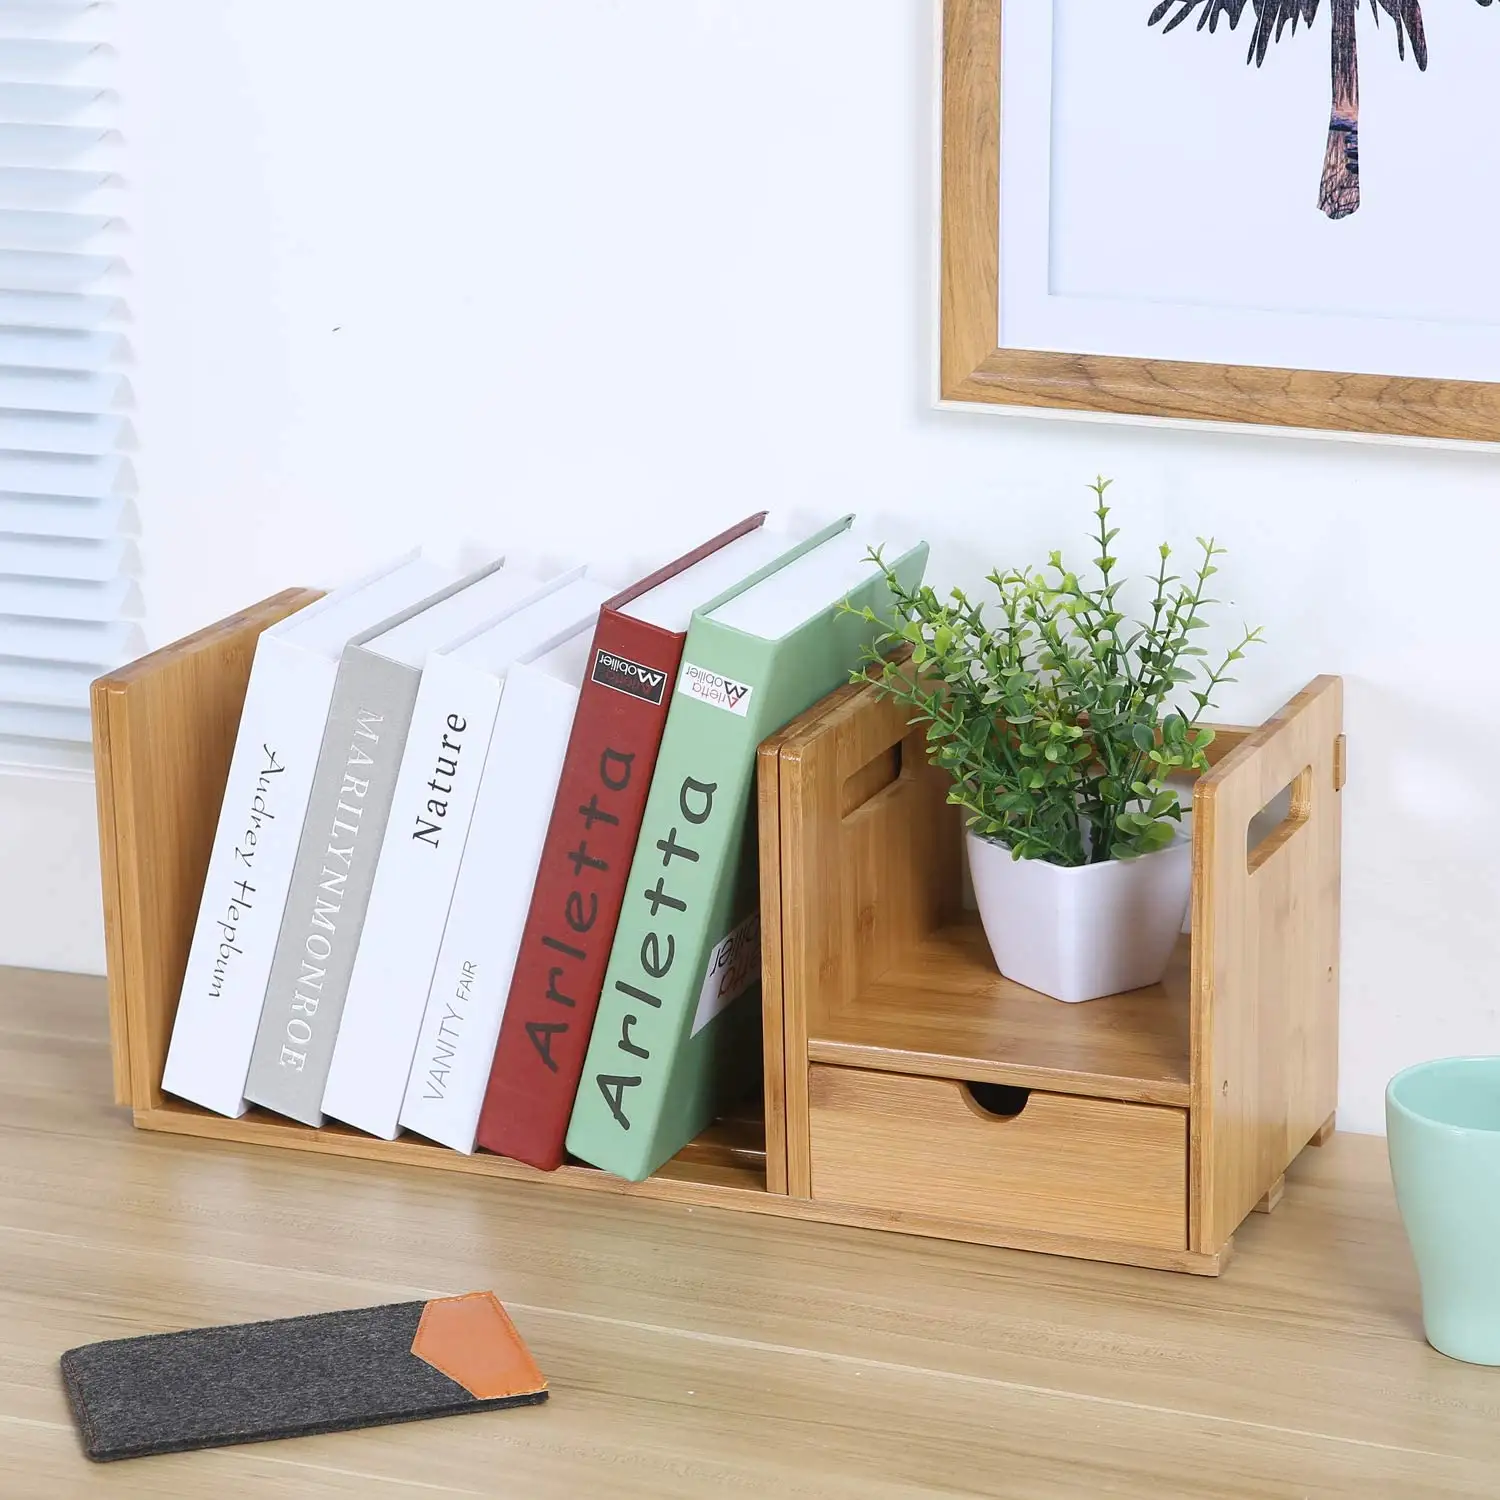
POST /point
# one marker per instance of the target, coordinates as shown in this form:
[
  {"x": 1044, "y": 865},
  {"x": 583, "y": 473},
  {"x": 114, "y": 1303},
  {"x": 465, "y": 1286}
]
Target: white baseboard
[{"x": 51, "y": 912}]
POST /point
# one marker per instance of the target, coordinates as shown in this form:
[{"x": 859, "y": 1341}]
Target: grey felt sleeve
[{"x": 253, "y": 1381}]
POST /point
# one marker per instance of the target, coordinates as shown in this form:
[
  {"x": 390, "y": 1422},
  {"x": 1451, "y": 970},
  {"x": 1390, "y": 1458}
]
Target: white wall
[
  {"x": 51, "y": 913},
  {"x": 594, "y": 278}
]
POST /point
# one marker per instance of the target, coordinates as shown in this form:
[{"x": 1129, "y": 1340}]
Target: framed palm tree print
[{"x": 1265, "y": 211}]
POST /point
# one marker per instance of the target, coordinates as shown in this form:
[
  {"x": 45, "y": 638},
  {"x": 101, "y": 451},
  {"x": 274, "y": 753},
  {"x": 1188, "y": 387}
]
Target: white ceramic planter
[{"x": 1080, "y": 933}]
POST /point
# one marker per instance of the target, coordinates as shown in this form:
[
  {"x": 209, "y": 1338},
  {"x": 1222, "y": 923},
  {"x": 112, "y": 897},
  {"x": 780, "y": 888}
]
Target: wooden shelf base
[
  {"x": 722, "y": 1160},
  {"x": 705, "y": 1175}
]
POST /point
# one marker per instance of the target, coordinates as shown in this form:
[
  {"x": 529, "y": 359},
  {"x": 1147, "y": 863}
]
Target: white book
[
  {"x": 466, "y": 1003},
  {"x": 436, "y": 787},
  {"x": 260, "y": 823},
  {"x": 348, "y": 810}
]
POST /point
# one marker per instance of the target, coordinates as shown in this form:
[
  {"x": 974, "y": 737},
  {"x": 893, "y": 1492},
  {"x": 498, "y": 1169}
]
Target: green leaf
[{"x": 1042, "y": 710}]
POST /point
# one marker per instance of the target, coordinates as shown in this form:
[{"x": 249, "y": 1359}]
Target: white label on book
[
  {"x": 238, "y": 897},
  {"x": 710, "y": 687},
  {"x": 733, "y": 966}
]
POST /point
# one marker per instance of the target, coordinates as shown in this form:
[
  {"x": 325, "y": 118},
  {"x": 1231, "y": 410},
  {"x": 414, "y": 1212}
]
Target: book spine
[
  {"x": 249, "y": 872},
  {"x": 691, "y": 892},
  {"x": 431, "y": 810},
  {"x": 580, "y": 885},
  {"x": 346, "y": 819},
  {"x": 471, "y": 982}
]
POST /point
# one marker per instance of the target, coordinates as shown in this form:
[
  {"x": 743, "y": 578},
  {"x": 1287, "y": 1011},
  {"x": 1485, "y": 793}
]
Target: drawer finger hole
[{"x": 996, "y": 1101}]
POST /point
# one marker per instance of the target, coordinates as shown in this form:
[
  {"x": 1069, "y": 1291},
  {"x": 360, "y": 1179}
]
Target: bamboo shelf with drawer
[
  {"x": 925, "y": 1090},
  {"x": 1151, "y": 1122}
]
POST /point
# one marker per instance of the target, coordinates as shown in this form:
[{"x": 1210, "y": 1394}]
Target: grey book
[{"x": 352, "y": 790}]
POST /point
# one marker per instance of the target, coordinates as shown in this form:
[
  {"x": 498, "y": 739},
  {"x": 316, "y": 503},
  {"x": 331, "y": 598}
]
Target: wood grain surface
[
  {"x": 883, "y": 972},
  {"x": 773, "y": 1013},
  {"x": 1063, "y": 1165},
  {"x": 1265, "y": 958},
  {"x": 942, "y": 1009},
  {"x": 694, "y": 1352},
  {"x": 974, "y": 368},
  {"x": 842, "y": 812},
  {"x": 164, "y": 729}
]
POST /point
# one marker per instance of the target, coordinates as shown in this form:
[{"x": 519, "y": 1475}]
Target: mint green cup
[{"x": 1443, "y": 1128}]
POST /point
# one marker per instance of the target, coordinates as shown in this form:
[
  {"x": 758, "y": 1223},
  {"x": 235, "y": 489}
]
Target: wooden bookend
[
  {"x": 1265, "y": 956},
  {"x": 164, "y": 730},
  {"x": 923, "y": 1087}
]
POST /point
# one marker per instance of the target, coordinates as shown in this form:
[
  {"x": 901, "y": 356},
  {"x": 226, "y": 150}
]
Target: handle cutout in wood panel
[
  {"x": 872, "y": 779},
  {"x": 1000, "y": 1101},
  {"x": 1277, "y": 822}
]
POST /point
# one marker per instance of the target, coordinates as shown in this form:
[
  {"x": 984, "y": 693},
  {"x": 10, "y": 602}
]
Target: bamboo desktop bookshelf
[{"x": 907, "y": 1085}]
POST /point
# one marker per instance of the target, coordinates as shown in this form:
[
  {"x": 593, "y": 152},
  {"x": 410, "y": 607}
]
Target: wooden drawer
[{"x": 1092, "y": 1168}]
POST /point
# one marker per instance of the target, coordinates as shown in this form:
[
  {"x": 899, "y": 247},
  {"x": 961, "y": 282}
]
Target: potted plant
[{"x": 1055, "y": 716}]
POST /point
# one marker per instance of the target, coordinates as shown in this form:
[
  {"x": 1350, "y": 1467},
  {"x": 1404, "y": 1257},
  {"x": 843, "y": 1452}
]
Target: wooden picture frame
[{"x": 974, "y": 368}]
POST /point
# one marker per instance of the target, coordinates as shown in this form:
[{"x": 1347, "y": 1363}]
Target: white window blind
[{"x": 68, "y": 604}]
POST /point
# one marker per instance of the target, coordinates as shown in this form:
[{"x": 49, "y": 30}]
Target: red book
[{"x": 596, "y": 819}]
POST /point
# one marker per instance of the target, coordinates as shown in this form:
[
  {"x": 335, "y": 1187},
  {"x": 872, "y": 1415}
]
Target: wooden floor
[{"x": 695, "y": 1352}]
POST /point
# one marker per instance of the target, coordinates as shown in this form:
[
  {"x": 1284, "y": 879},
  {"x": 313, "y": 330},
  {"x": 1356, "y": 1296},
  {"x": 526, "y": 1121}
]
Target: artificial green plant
[{"x": 1053, "y": 712}]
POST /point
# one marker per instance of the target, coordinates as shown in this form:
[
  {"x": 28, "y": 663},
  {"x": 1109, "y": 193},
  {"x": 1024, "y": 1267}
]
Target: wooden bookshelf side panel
[
  {"x": 774, "y": 900},
  {"x": 870, "y": 851},
  {"x": 164, "y": 730},
  {"x": 870, "y": 865},
  {"x": 110, "y": 878},
  {"x": 1265, "y": 984},
  {"x": 772, "y": 1016}
]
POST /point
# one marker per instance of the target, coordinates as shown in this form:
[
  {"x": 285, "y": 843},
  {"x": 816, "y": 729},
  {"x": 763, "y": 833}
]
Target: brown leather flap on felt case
[{"x": 472, "y": 1341}]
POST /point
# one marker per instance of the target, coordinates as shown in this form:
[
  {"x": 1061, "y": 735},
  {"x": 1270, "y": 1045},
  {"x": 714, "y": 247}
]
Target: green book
[{"x": 678, "y": 1026}]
